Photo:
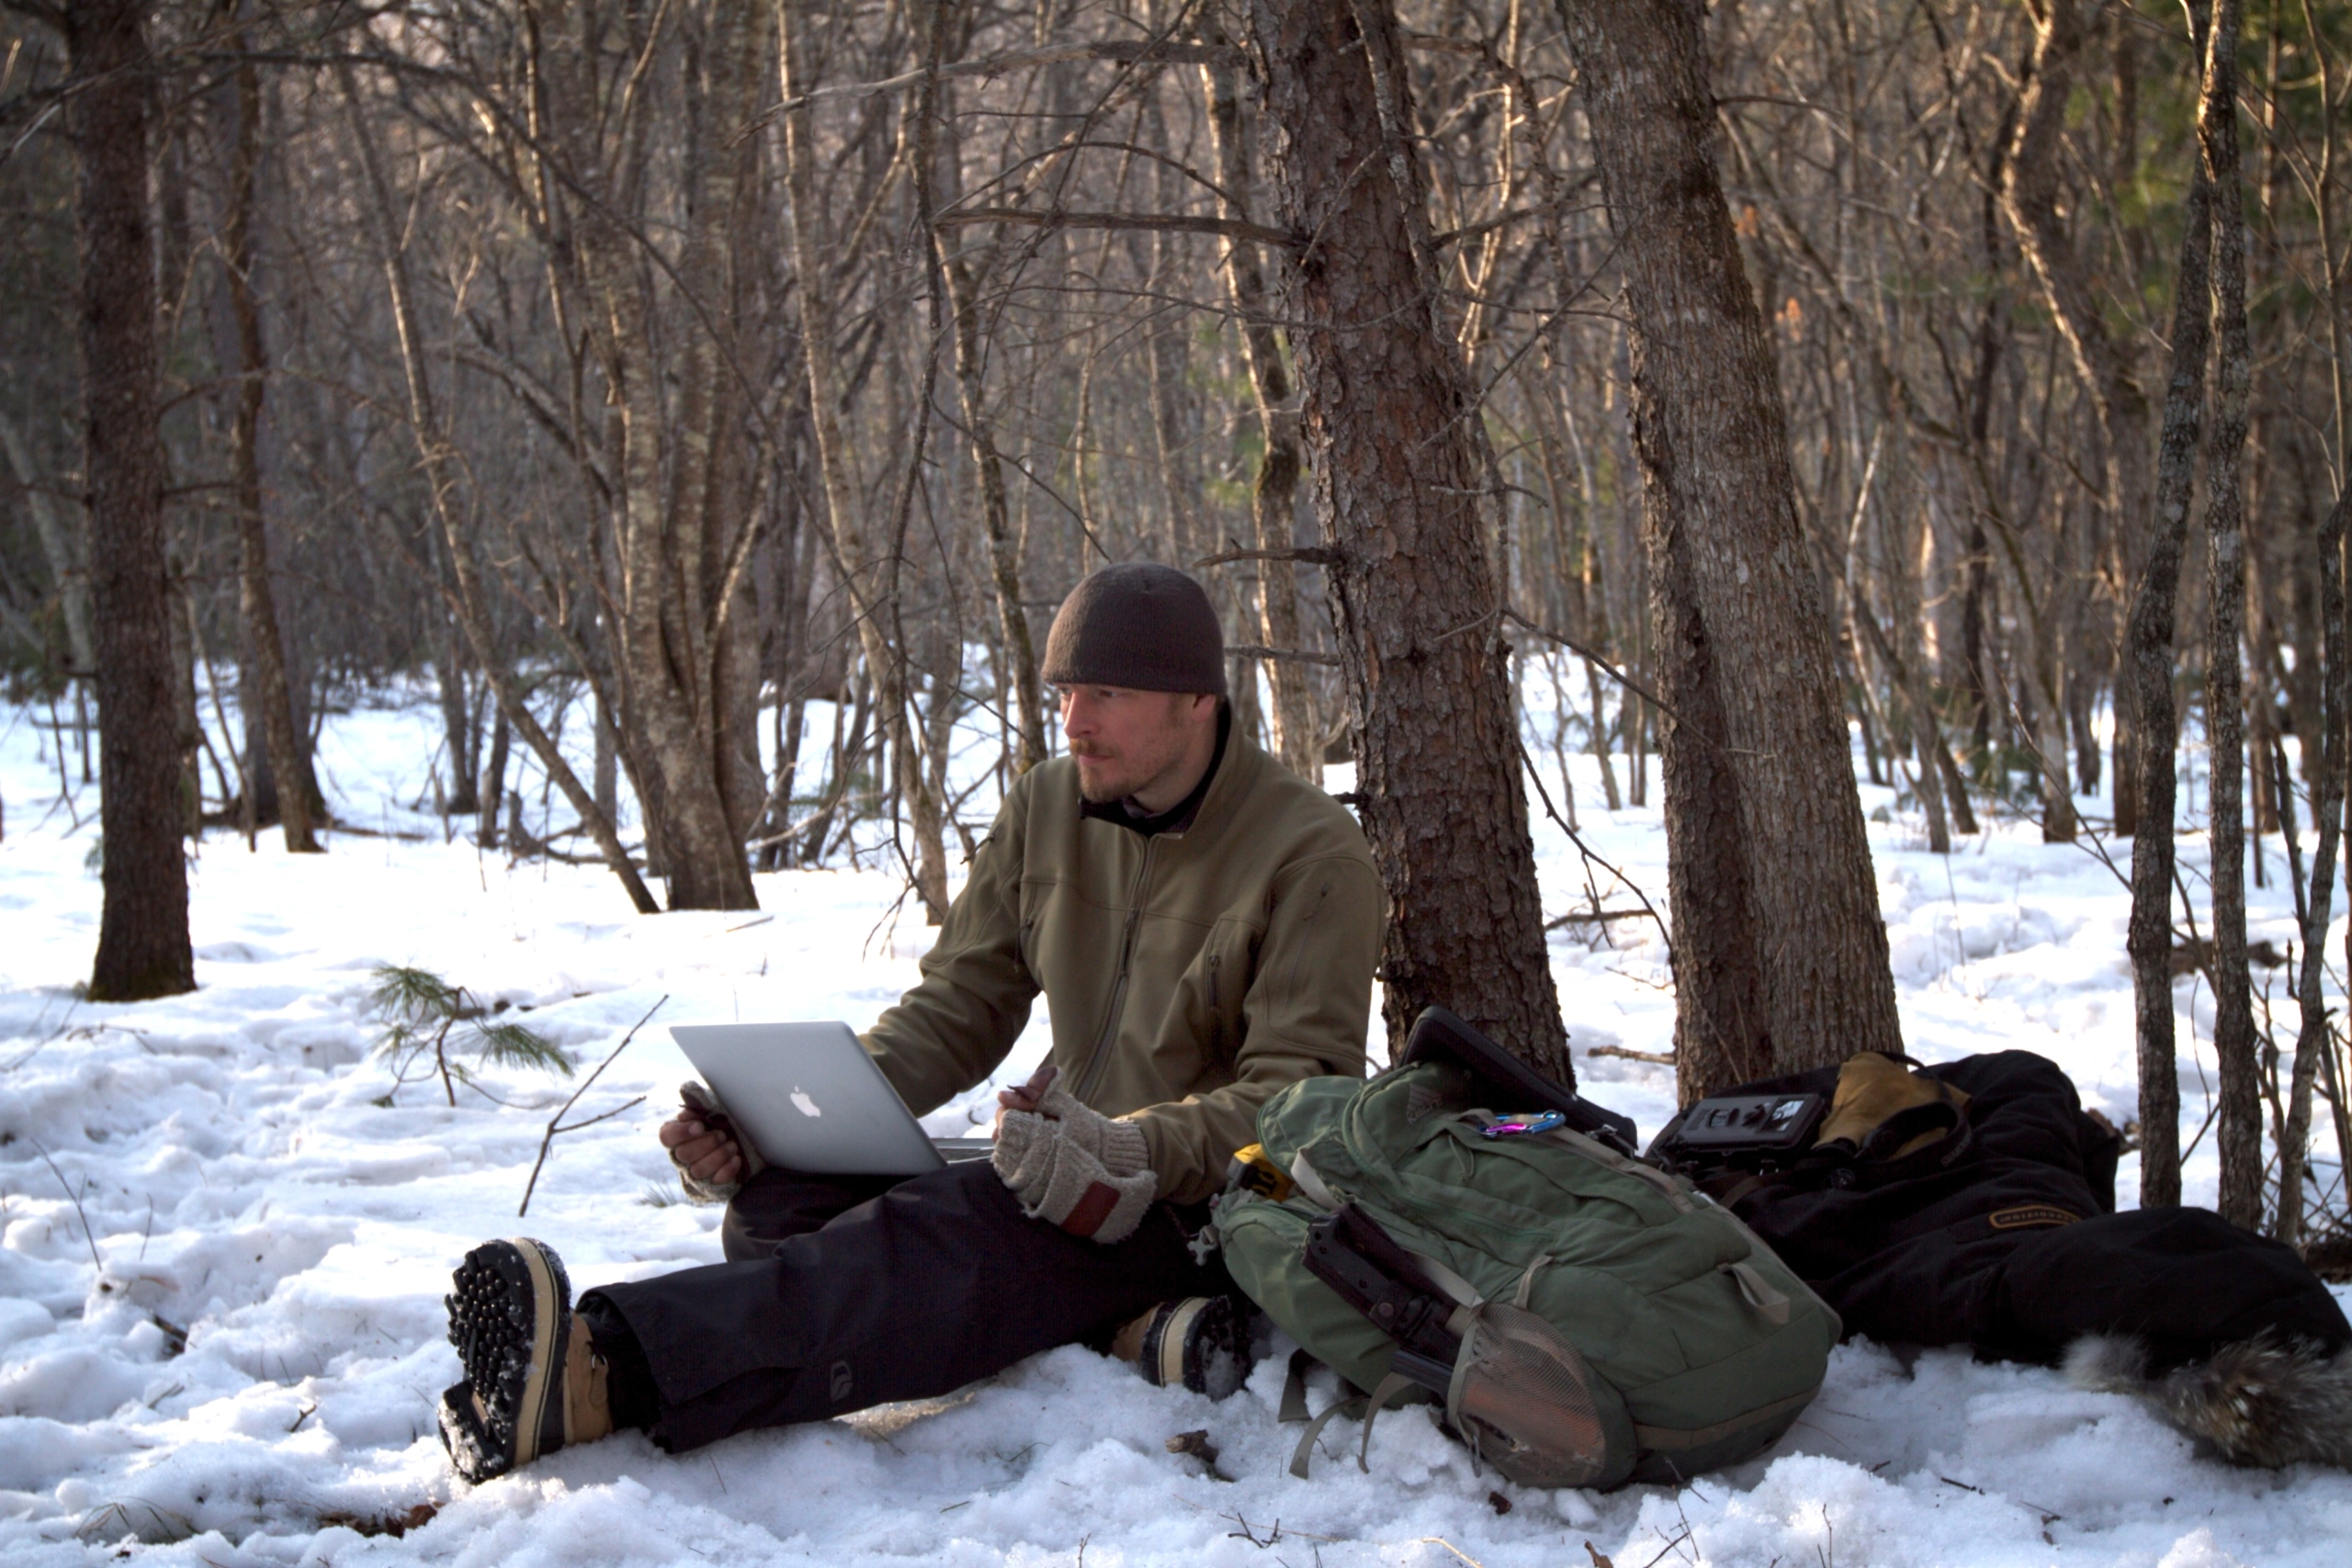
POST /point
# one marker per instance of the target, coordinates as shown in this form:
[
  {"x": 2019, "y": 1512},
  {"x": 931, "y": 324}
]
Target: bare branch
[
  {"x": 554, "y": 1123},
  {"x": 1313, "y": 554},
  {"x": 1297, "y": 655},
  {"x": 1153, "y": 52},
  {"x": 1169, "y": 222}
]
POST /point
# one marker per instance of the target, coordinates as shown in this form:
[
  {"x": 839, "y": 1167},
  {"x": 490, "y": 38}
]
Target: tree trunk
[
  {"x": 870, "y": 567},
  {"x": 2031, "y": 196},
  {"x": 449, "y": 680},
  {"x": 265, "y": 649},
  {"x": 1273, "y": 494},
  {"x": 62, "y": 546},
  {"x": 678, "y": 528},
  {"x": 466, "y": 600},
  {"x": 143, "y": 930},
  {"x": 1019, "y": 678},
  {"x": 1758, "y": 767},
  {"x": 2315, "y": 1040},
  {"x": 606, "y": 770},
  {"x": 2239, "y": 1132},
  {"x": 1396, "y": 480},
  {"x": 2149, "y": 667},
  {"x": 2059, "y": 824},
  {"x": 493, "y": 784}
]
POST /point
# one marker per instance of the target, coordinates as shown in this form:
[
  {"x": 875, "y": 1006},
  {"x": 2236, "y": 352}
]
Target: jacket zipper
[{"x": 1097, "y": 1062}]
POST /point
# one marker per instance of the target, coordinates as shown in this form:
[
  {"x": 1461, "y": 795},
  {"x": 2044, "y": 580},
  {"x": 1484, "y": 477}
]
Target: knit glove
[
  {"x": 1072, "y": 1166},
  {"x": 697, "y": 1101}
]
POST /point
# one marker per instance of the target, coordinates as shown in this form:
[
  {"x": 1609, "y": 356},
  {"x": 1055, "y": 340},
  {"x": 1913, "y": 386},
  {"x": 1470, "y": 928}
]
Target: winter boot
[
  {"x": 1201, "y": 1343},
  {"x": 533, "y": 1381}
]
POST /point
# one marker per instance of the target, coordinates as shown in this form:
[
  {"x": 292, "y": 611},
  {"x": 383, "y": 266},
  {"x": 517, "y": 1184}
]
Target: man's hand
[
  {"x": 1023, "y": 1097},
  {"x": 707, "y": 1153},
  {"x": 1070, "y": 1165}
]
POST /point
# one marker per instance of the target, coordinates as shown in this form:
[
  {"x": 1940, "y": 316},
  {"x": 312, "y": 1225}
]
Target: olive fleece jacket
[{"x": 1188, "y": 974}]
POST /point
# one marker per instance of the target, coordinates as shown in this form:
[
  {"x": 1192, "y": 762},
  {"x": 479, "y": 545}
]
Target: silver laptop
[{"x": 809, "y": 1098}]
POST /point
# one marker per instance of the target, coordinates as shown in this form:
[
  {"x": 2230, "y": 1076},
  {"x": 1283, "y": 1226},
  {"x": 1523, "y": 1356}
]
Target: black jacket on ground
[{"x": 2003, "y": 1236}]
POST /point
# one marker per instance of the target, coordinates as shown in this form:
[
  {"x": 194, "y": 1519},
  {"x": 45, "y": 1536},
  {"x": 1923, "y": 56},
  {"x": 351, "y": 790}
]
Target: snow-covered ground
[{"x": 247, "y": 1373}]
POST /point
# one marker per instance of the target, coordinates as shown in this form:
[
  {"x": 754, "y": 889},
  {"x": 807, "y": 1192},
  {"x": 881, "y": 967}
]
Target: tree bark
[
  {"x": 679, "y": 516},
  {"x": 1019, "y": 677},
  {"x": 996, "y": 517},
  {"x": 870, "y": 567},
  {"x": 468, "y": 603},
  {"x": 2315, "y": 1040},
  {"x": 2149, "y": 665},
  {"x": 1273, "y": 494},
  {"x": 1384, "y": 413},
  {"x": 1757, "y": 764},
  {"x": 2030, "y": 196},
  {"x": 493, "y": 784},
  {"x": 143, "y": 947},
  {"x": 63, "y": 545},
  {"x": 256, "y": 601},
  {"x": 2239, "y": 1130}
]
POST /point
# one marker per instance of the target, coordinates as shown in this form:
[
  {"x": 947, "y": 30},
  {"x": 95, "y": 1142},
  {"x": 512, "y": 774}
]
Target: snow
[{"x": 231, "y": 1158}]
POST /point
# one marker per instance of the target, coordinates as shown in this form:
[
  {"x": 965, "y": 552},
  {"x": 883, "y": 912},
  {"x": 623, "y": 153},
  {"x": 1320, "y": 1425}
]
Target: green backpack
[{"x": 1606, "y": 1322}]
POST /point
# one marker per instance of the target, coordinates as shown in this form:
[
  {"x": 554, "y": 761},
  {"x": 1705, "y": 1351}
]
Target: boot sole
[{"x": 510, "y": 1317}]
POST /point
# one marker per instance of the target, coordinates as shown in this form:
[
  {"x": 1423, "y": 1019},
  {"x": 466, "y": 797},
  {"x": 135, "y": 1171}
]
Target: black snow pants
[{"x": 841, "y": 1292}]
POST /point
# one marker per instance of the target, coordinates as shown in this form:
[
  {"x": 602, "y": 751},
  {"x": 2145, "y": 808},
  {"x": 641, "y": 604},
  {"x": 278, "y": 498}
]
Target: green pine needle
[
  {"x": 513, "y": 1046},
  {"x": 413, "y": 996},
  {"x": 419, "y": 1007}
]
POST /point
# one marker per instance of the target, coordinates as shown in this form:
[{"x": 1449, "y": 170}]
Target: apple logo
[{"x": 802, "y": 1104}]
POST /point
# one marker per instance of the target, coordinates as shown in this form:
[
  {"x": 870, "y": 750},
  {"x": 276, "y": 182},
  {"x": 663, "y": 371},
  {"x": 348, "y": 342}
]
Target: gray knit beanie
[{"x": 1138, "y": 625}]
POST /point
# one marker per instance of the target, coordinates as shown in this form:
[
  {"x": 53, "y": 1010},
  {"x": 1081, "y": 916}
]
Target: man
[{"x": 1204, "y": 926}]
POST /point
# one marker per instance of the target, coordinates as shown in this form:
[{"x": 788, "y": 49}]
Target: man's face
[{"x": 1126, "y": 741}]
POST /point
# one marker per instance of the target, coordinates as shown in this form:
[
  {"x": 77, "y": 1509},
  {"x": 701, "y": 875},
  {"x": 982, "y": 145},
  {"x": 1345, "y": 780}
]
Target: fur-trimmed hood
[{"x": 2267, "y": 1401}]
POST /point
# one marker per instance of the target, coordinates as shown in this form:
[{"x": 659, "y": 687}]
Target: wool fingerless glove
[{"x": 1073, "y": 1167}]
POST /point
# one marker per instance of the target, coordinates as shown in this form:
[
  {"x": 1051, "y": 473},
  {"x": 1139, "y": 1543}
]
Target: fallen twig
[
  {"x": 554, "y": 1123},
  {"x": 1663, "y": 1059},
  {"x": 1586, "y": 849},
  {"x": 74, "y": 1198}
]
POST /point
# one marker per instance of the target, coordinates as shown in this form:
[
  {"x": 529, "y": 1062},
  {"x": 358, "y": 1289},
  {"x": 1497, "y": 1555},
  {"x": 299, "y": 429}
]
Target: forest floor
[{"x": 227, "y": 1237}]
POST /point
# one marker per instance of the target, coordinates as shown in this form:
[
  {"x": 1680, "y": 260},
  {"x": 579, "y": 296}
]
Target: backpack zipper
[{"x": 1100, "y": 1058}]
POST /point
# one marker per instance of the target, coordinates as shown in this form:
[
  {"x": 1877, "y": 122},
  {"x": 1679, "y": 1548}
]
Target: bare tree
[
  {"x": 468, "y": 601},
  {"x": 870, "y": 564},
  {"x": 265, "y": 645},
  {"x": 1783, "y": 961},
  {"x": 143, "y": 948},
  {"x": 2031, "y": 196},
  {"x": 1387, "y": 417},
  {"x": 2239, "y": 1131},
  {"x": 1274, "y": 491}
]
